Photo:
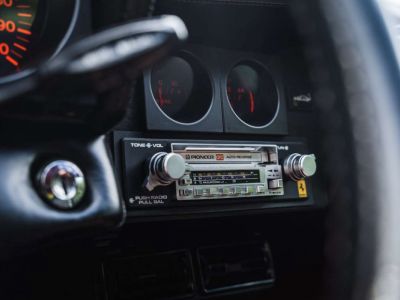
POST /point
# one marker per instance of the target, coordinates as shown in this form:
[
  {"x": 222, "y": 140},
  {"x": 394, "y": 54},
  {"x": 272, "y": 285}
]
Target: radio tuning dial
[
  {"x": 298, "y": 166},
  {"x": 164, "y": 169}
]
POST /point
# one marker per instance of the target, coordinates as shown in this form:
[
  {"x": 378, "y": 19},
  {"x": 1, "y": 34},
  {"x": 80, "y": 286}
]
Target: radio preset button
[
  {"x": 244, "y": 190},
  {"x": 219, "y": 192},
  {"x": 202, "y": 192},
  {"x": 185, "y": 193},
  {"x": 214, "y": 192},
  {"x": 261, "y": 189},
  {"x": 251, "y": 190},
  {"x": 229, "y": 191}
]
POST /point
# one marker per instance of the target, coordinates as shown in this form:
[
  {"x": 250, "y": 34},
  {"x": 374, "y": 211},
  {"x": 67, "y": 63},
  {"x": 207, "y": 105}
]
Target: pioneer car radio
[
  {"x": 165, "y": 173},
  {"x": 228, "y": 171}
]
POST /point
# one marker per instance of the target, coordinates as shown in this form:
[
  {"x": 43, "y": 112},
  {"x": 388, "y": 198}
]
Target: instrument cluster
[
  {"x": 31, "y": 32},
  {"x": 204, "y": 89}
]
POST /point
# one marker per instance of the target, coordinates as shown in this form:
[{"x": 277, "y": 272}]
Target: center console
[
  {"x": 219, "y": 162},
  {"x": 182, "y": 176}
]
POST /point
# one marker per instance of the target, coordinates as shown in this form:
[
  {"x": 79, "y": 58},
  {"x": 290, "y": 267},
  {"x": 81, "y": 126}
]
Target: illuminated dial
[
  {"x": 17, "y": 19},
  {"x": 173, "y": 85},
  {"x": 252, "y": 94},
  {"x": 182, "y": 89}
]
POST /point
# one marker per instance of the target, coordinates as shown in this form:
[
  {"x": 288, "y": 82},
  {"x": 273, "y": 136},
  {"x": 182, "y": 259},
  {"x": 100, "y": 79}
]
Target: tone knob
[
  {"x": 164, "y": 169},
  {"x": 298, "y": 166},
  {"x": 62, "y": 184}
]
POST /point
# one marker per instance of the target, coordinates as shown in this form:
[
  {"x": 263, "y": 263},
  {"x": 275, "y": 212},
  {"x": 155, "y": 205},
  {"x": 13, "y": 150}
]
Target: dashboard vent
[
  {"x": 162, "y": 276},
  {"x": 235, "y": 266}
]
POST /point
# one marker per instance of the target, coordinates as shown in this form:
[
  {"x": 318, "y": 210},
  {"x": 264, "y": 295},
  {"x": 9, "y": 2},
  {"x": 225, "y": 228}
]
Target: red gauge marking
[
  {"x": 16, "y": 54},
  {"x": 24, "y": 23},
  {"x": 22, "y": 39},
  {"x": 252, "y": 102},
  {"x": 24, "y": 15},
  {"x": 16, "y": 20},
  {"x": 12, "y": 61},
  {"x": 20, "y": 47},
  {"x": 24, "y": 31}
]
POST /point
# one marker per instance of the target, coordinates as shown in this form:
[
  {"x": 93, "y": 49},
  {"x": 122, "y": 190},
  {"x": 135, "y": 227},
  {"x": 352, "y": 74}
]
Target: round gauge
[
  {"x": 182, "y": 89},
  {"x": 17, "y": 33},
  {"x": 252, "y": 94},
  {"x": 31, "y": 31}
]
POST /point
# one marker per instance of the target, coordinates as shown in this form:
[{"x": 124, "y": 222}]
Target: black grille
[
  {"x": 235, "y": 266},
  {"x": 162, "y": 276}
]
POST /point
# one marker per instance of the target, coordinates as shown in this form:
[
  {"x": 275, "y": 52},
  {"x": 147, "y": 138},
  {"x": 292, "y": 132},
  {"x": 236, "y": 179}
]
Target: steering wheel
[{"x": 358, "y": 90}]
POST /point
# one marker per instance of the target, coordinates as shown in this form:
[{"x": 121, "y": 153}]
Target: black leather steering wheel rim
[{"x": 357, "y": 80}]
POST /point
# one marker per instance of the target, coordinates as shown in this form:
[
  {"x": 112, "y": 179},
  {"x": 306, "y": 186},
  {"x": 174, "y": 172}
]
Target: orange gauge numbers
[{"x": 16, "y": 21}]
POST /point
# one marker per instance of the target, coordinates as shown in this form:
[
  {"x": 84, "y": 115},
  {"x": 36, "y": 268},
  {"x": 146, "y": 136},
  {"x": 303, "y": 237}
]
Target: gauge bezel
[
  {"x": 221, "y": 118},
  {"x": 157, "y": 120},
  {"x": 272, "y": 64},
  {"x": 249, "y": 62},
  {"x": 190, "y": 59},
  {"x": 56, "y": 31}
]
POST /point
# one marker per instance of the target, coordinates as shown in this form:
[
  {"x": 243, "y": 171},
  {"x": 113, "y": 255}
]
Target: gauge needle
[
  {"x": 252, "y": 102},
  {"x": 160, "y": 96}
]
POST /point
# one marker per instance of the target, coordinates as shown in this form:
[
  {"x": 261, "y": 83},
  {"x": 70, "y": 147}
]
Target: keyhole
[{"x": 64, "y": 185}]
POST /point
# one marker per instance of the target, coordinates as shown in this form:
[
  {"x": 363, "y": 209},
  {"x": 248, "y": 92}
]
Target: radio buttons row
[{"x": 229, "y": 191}]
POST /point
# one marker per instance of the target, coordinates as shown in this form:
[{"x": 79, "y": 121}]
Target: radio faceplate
[
  {"x": 256, "y": 167},
  {"x": 228, "y": 171}
]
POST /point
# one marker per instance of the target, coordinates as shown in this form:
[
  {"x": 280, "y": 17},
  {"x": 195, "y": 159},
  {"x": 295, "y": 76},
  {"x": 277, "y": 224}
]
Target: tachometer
[{"x": 17, "y": 32}]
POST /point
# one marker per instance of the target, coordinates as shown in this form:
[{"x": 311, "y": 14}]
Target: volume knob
[
  {"x": 298, "y": 166},
  {"x": 164, "y": 169}
]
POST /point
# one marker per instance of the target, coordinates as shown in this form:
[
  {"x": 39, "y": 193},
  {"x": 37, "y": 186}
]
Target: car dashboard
[
  {"x": 214, "y": 163},
  {"x": 231, "y": 89}
]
